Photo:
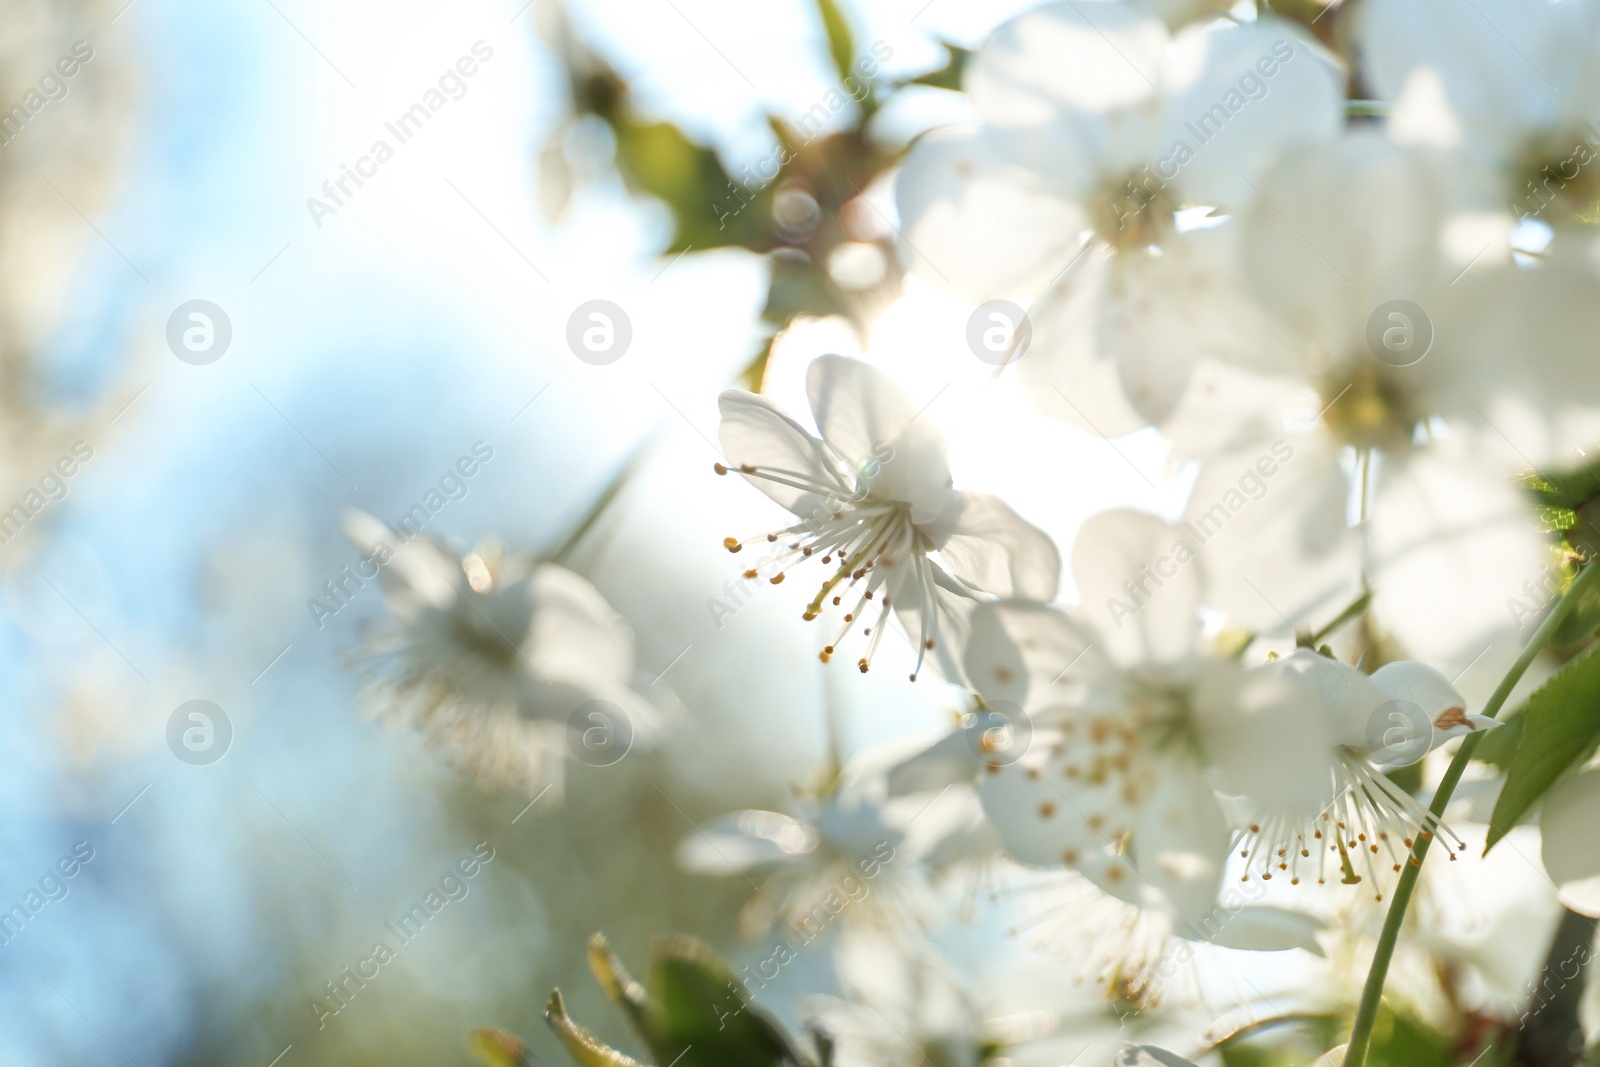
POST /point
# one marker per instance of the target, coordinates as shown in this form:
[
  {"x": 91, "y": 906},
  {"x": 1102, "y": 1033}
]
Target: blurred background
[{"x": 370, "y": 316}]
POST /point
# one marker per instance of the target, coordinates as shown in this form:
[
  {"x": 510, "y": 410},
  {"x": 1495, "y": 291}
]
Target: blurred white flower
[
  {"x": 1129, "y": 715},
  {"x": 848, "y": 857},
  {"x": 1099, "y": 126},
  {"x": 1509, "y": 82},
  {"x": 904, "y": 1009},
  {"x": 874, "y": 494},
  {"x": 505, "y": 665},
  {"x": 1431, "y": 355}
]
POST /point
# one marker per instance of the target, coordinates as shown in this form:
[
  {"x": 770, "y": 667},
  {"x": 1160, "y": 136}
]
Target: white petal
[
  {"x": 984, "y": 543},
  {"x": 1065, "y": 61},
  {"x": 575, "y": 634},
  {"x": 1453, "y": 545},
  {"x": 1260, "y": 729},
  {"x": 756, "y": 432},
  {"x": 1505, "y": 67},
  {"x": 1135, "y": 586},
  {"x": 1269, "y": 519},
  {"x": 1264, "y": 928},
  {"x": 945, "y": 619},
  {"x": 980, "y": 223},
  {"x": 1179, "y": 842},
  {"x": 1442, "y": 706},
  {"x": 1571, "y": 848},
  {"x": 419, "y": 575},
  {"x": 869, "y": 422},
  {"x": 949, "y": 760},
  {"x": 1038, "y": 823},
  {"x": 1307, "y": 246},
  {"x": 1246, "y": 118},
  {"x": 1351, "y": 705},
  {"x": 743, "y": 841},
  {"x": 1072, "y": 369},
  {"x": 1029, "y": 655}
]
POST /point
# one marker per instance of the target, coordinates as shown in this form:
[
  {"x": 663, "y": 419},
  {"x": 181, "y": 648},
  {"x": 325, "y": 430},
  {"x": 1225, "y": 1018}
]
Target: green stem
[
  {"x": 1372, "y": 993},
  {"x": 1356, "y": 608}
]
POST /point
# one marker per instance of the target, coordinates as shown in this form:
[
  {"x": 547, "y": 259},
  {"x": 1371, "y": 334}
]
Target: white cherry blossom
[
  {"x": 1392, "y": 717},
  {"x": 1511, "y": 84},
  {"x": 877, "y": 507},
  {"x": 1130, "y": 713},
  {"x": 490, "y": 659},
  {"x": 1098, "y": 126}
]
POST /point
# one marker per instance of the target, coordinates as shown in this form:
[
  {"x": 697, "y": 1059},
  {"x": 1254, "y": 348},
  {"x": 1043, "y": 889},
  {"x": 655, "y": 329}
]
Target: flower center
[
  {"x": 1559, "y": 181},
  {"x": 1134, "y": 213},
  {"x": 1367, "y": 407},
  {"x": 867, "y": 543}
]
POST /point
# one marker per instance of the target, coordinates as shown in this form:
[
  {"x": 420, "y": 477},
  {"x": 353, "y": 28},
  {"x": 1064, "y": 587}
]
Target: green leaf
[
  {"x": 1561, "y": 727},
  {"x": 1571, "y": 489},
  {"x": 948, "y": 76},
  {"x": 584, "y": 1047},
  {"x": 840, "y": 45},
  {"x": 1499, "y": 746},
  {"x": 701, "y": 1014},
  {"x": 496, "y": 1048},
  {"x": 709, "y": 210}
]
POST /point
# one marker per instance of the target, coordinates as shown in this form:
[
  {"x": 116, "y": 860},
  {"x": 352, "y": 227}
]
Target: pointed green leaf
[
  {"x": 948, "y": 76},
  {"x": 1561, "y": 727},
  {"x": 702, "y": 1014},
  {"x": 584, "y": 1047},
  {"x": 840, "y": 45}
]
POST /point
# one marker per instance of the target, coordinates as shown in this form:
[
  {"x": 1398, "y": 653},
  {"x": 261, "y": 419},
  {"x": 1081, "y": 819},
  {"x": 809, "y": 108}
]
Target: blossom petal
[
  {"x": 1260, "y": 730},
  {"x": 419, "y": 574},
  {"x": 1064, "y": 63},
  {"x": 1180, "y": 839},
  {"x": 574, "y": 632},
  {"x": 869, "y": 422},
  {"x": 745, "y": 841},
  {"x": 1072, "y": 367},
  {"x": 756, "y": 432},
  {"x": 1270, "y": 521},
  {"x": 1030, "y": 655},
  {"x": 1348, "y": 701},
  {"x": 1454, "y": 551},
  {"x": 1264, "y": 928},
  {"x": 1218, "y": 92},
  {"x": 1571, "y": 848},
  {"x": 983, "y": 226},
  {"x": 1442, "y": 706},
  {"x": 1136, "y": 581},
  {"x": 986, "y": 544},
  {"x": 946, "y": 762}
]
